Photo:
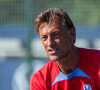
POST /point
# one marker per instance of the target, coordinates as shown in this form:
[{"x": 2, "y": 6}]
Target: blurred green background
[
  {"x": 81, "y": 11},
  {"x": 21, "y": 51}
]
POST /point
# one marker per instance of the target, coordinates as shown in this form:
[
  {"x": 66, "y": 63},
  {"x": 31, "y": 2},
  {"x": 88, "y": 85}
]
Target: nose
[{"x": 50, "y": 41}]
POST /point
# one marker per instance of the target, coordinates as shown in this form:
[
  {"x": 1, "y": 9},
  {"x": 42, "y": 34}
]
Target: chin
[{"x": 54, "y": 58}]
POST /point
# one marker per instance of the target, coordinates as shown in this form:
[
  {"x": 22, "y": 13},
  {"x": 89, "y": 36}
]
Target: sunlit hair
[{"x": 51, "y": 16}]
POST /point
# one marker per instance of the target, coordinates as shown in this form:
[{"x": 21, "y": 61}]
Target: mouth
[{"x": 52, "y": 51}]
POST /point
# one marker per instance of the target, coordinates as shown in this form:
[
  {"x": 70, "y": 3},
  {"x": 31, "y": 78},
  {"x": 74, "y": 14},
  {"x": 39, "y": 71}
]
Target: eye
[
  {"x": 55, "y": 34},
  {"x": 44, "y": 38}
]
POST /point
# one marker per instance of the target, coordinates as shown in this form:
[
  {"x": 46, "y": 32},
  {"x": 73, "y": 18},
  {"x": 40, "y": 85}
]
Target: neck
[{"x": 69, "y": 63}]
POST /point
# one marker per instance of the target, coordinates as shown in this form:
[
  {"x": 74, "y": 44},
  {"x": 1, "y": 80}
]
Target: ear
[{"x": 73, "y": 34}]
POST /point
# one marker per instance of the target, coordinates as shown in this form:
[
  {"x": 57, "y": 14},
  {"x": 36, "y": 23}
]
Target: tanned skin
[{"x": 59, "y": 46}]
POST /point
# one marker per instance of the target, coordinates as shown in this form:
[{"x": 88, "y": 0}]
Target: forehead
[{"x": 46, "y": 28}]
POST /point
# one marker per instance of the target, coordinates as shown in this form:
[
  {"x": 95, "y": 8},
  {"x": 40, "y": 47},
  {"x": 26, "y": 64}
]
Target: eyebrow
[{"x": 55, "y": 31}]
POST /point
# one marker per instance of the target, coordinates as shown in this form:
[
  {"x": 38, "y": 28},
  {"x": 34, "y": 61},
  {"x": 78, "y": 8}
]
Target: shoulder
[
  {"x": 42, "y": 71},
  {"x": 90, "y": 56},
  {"x": 37, "y": 81},
  {"x": 90, "y": 53},
  {"x": 89, "y": 60},
  {"x": 48, "y": 67},
  {"x": 44, "y": 76}
]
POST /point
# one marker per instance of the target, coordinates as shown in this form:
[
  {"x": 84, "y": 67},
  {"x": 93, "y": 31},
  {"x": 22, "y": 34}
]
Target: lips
[{"x": 53, "y": 51}]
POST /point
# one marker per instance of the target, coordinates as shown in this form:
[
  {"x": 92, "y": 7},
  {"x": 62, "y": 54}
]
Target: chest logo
[{"x": 87, "y": 87}]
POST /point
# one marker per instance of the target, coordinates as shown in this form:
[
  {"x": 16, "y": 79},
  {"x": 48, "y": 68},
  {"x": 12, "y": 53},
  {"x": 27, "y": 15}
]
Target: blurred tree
[
  {"x": 6, "y": 1},
  {"x": 81, "y": 11},
  {"x": 11, "y": 11}
]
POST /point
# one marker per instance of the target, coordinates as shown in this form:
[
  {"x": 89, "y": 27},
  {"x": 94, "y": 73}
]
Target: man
[{"x": 70, "y": 67}]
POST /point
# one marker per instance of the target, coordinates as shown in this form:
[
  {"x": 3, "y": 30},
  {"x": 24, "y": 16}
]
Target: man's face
[{"x": 57, "y": 40}]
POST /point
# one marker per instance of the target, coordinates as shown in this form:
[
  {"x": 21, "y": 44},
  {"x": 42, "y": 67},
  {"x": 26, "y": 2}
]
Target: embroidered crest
[{"x": 87, "y": 87}]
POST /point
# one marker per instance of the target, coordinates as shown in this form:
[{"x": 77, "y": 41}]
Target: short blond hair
[{"x": 51, "y": 15}]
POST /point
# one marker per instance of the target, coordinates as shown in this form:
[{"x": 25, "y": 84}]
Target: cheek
[
  {"x": 57, "y": 41},
  {"x": 65, "y": 43},
  {"x": 44, "y": 45}
]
